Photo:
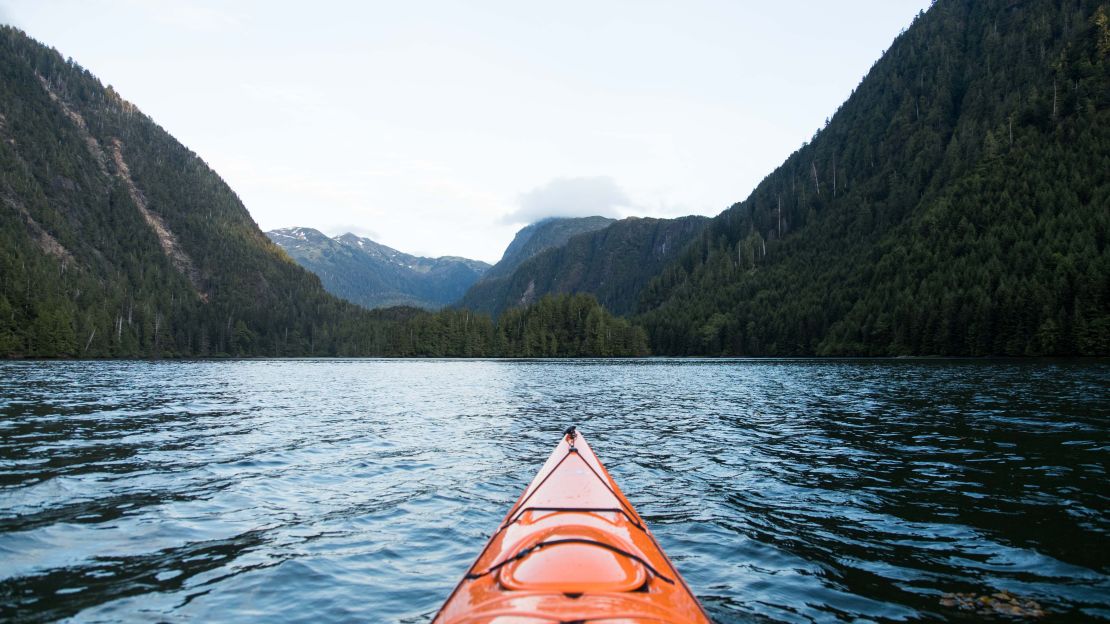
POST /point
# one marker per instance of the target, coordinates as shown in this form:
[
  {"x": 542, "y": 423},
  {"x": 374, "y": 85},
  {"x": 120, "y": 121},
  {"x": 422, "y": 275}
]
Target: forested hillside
[
  {"x": 117, "y": 241},
  {"x": 373, "y": 275},
  {"x": 613, "y": 264},
  {"x": 536, "y": 237},
  {"x": 554, "y": 326},
  {"x": 567, "y": 326},
  {"x": 958, "y": 203}
]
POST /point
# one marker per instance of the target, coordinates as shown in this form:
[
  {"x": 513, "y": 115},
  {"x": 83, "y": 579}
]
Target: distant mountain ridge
[
  {"x": 373, "y": 275},
  {"x": 545, "y": 234},
  {"x": 614, "y": 263}
]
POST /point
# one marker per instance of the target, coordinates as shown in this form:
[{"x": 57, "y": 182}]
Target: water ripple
[{"x": 339, "y": 490}]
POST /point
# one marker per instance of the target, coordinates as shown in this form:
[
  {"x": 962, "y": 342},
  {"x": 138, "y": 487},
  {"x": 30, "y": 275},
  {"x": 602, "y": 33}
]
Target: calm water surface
[{"x": 332, "y": 491}]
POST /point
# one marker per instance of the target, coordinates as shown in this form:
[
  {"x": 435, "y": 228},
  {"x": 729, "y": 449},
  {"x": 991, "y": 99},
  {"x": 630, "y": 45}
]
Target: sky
[{"x": 441, "y": 128}]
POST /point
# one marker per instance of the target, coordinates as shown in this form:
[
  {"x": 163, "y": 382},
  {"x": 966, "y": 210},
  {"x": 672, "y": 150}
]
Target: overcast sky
[{"x": 440, "y": 128}]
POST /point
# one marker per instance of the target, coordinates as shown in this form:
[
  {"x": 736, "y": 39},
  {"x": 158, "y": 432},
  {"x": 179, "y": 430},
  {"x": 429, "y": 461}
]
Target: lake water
[{"x": 331, "y": 491}]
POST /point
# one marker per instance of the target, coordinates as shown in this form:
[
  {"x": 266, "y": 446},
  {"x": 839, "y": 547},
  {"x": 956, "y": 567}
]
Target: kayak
[{"x": 572, "y": 549}]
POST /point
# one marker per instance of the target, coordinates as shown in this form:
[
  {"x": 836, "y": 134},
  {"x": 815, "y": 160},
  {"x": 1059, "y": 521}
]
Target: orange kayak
[{"x": 572, "y": 549}]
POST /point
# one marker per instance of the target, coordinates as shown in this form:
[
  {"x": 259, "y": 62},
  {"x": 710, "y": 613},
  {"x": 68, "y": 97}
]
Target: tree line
[{"x": 554, "y": 326}]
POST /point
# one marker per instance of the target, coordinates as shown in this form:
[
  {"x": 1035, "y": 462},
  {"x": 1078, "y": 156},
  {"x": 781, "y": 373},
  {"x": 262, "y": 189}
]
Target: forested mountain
[
  {"x": 534, "y": 238},
  {"x": 613, "y": 264},
  {"x": 958, "y": 203},
  {"x": 375, "y": 276},
  {"x": 117, "y": 241}
]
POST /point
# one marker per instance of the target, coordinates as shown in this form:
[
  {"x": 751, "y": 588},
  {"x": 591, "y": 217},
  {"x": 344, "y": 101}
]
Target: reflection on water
[{"x": 329, "y": 491}]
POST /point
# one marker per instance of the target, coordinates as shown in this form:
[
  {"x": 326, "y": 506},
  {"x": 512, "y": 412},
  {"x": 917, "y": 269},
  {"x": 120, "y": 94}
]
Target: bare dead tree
[
  {"x": 1054, "y": 98},
  {"x": 780, "y": 216}
]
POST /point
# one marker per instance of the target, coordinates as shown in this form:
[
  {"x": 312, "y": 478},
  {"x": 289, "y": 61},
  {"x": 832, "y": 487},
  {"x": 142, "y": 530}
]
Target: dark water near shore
[{"x": 331, "y": 491}]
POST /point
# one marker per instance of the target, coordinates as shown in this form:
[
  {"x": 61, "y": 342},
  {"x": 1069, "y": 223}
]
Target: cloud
[{"x": 570, "y": 197}]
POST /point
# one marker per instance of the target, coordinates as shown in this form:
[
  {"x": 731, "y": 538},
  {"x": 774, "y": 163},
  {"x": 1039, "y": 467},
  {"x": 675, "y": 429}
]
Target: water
[{"x": 332, "y": 491}]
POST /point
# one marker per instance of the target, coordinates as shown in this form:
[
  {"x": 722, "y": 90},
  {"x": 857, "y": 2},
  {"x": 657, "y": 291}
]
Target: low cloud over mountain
[{"x": 570, "y": 197}]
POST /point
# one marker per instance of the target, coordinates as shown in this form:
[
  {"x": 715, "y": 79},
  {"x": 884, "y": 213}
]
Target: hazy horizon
[{"x": 440, "y": 129}]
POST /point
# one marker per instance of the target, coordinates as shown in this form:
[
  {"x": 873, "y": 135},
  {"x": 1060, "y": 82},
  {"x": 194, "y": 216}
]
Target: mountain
[
  {"x": 613, "y": 264},
  {"x": 541, "y": 235},
  {"x": 116, "y": 240},
  {"x": 375, "y": 276},
  {"x": 957, "y": 203}
]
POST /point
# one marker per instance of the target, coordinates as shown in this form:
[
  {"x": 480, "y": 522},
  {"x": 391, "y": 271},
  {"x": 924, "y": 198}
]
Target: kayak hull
[{"x": 572, "y": 548}]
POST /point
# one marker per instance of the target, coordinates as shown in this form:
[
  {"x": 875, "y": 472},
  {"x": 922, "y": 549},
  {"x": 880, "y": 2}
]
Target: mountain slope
[
  {"x": 116, "y": 240},
  {"x": 613, "y": 264},
  {"x": 956, "y": 204},
  {"x": 536, "y": 237},
  {"x": 373, "y": 275}
]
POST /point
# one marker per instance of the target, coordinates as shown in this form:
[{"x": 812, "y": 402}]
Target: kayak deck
[{"x": 572, "y": 549}]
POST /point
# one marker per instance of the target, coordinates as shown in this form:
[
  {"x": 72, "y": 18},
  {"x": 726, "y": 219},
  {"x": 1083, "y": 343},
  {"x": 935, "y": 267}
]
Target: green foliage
[
  {"x": 1101, "y": 21},
  {"x": 958, "y": 203},
  {"x": 83, "y": 273},
  {"x": 567, "y": 326},
  {"x": 613, "y": 263},
  {"x": 546, "y": 234}
]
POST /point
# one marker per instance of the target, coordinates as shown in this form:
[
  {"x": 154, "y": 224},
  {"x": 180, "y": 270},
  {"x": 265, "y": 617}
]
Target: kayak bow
[{"x": 572, "y": 549}]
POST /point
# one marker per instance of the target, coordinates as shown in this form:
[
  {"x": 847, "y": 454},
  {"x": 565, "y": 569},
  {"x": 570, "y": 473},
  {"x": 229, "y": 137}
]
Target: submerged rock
[{"x": 998, "y": 603}]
